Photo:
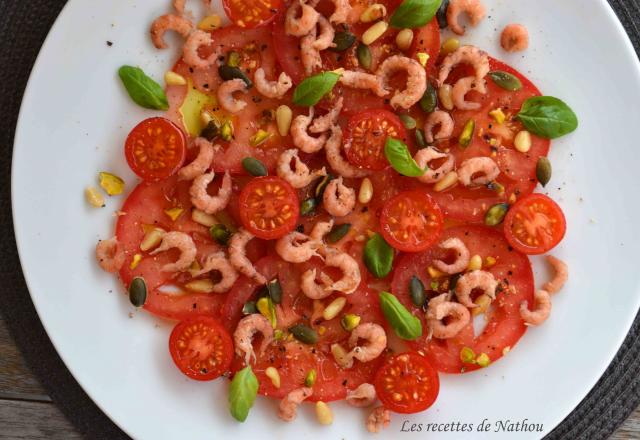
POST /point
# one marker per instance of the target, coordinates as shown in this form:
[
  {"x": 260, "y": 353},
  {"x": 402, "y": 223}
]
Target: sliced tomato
[
  {"x": 366, "y": 134},
  {"x": 535, "y": 224},
  {"x": 269, "y": 207},
  {"x": 251, "y": 13},
  {"x": 201, "y": 348},
  {"x": 411, "y": 221},
  {"x": 407, "y": 383},
  {"x": 503, "y": 328},
  {"x": 155, "y": 149}
]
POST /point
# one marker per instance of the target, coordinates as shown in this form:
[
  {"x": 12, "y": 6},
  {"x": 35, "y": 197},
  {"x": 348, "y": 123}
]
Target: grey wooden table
[{"x": 27, "y": 412}]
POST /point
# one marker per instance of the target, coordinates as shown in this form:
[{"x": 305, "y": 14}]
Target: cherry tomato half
[
  {"x": 535, "y": 224},
  {"x": 269, "y": 207},
  {"x": 411, "y": 221},
  {"x": 251, "y": 13},
  {"x": 407, "y": 383},
  {"x": 201, "y": 348},
  {"x": 155, "y": 149}
]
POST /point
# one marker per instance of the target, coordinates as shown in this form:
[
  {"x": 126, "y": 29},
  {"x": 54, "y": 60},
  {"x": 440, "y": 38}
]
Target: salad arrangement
[{"x": 331, "y": 196}]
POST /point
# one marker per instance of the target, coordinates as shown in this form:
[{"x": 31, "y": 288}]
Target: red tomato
[
  {"x": 535, "y": 224},
  {"x": 201, "y": 348},
  {"x": 251, "y": 13},
  {"x": 366, "y": 135},
  {"x": 269, "y": 207},
  {"x": 407, "y": 383},
  {"x": 155, "y": 149},
  {"x": 411, "y": 221},
  {"x": 504, "y": 327}
]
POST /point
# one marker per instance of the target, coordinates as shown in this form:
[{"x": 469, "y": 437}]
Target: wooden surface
[{"x": 26, "y": 412}]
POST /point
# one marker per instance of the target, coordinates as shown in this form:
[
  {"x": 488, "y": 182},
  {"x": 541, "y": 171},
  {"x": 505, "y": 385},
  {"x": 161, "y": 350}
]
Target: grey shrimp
[
  {"x": 225, "y": 95},
  {"x": 110, "y": 255},
  {"x": 311, "y": 288},
  {"x": 426, "y": 155},
  {"x": 361, "y": 397},
  {"x": 376, "y": 339},
  {"x": 337, "y": 162},
  {"x": 184, "y": 243},
  {"x": 180, "y": 4},
  {"x": 272, "y": 89},
  {"x": 457, "y": 315},
  {"x": 288, "y": 406},
  {"x": 247, "y": 328},
  {"x": 301, "y": 138},
  {"x": 310, "y": 56},
  {"x": 350, "y": 271},
  {"x": 201, "y": 163},
  {"x": 478, "y": 171},
  {"x": 321, "y": 229},
  {"x": 205, "y": 202},
  {"x": 325, "y": 122},
  {"x": 464, "y": 86},
  {"x": 299, "y": 176},
  {"x": 339, "y": 200},
  {"x": 462, "y": 257},
  {"x": 476, "y": 279},
  {"x": 416, "y": 80},
  {"x": 379, "y": 419},
  {"x": 561, "y": 274},
  {"x": 444, "y": 121},
  {"x": 324, "y": 40},
  {"x": 465, "y": 55},
  {"x": 474, "y": 9},
  {"x": 341, "y": 11},
  {"x": 238, "y": 256},
  {"x": 300, "y": 26},
  {"x": 190, "y": 52},
  {"x": 218, "y": 262},
  {"x": 541, "y": 311},
  {"x": 514, "y": 38},
  {"x": 363, "y": 80},
  {"x": 296, "y": 247},
  {"x": 168, "y": 22}
]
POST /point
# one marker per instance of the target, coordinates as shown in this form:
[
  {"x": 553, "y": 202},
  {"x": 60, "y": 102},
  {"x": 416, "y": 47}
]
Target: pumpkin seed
[
  {"x": 364, "y": 56},
  {"x": 495, "y": 214},
  {"x": 429, "y": 100},
  {"x": 138, "y": 292},
  {"x": 543, "y": 170},
  {"x": 308, "y": 207},
  {"x": 228, "y": 73},
  {"x": 304, "y": 334},
  {"x": 338, "y": 232},
  {"x": 275, "y": 291},
  {"x": 249, "y": 308},
  {"x": 211, "y": 131},
  {"x": 254, "y": 167},
  {"x": 441, "y": 15},
  {"x": 467, "y": 133},
  {"x": 420, "y": 140},
  {"x": 453, "y": 281},
  {"x": 343, "y": 40},
  {"x": 220, "y": 233},
  {"x": 416, "y": 291},
  {"x": 322, "y": 185},
  {"x": 505, "y": 80},
  {"x": 408, "y": 122}
]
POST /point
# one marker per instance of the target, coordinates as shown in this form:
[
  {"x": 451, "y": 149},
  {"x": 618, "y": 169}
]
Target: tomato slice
[
  {"x": 251, "y": 13},
  {"x": 535, "y": 224},
  {"x": 366, "y": 134},
  {"x": 201, "y": 348},
  {"x": 269, "y": 207},
  {"x": 411, "y": 221},
  {"x": 407, "y": 383},
  {"x": 155, "y": 149}
]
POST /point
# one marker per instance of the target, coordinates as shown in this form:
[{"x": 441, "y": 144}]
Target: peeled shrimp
[
  {"x": 350, "y": 271},
  {"x": 379, "y": 419},
  {"x": 514, "y": 38},
  {"x": 476, "y": 279},
  {"x": 416, "y": 79},
  {"x": 311, "y": 288},
  {"x": 309, "y": 55},
  {"x": 179, "y": 5},
  {"x": 464, "y": 86},
  {"x": 339, "y": 200},
  {"x": 247, "y": 328},
  {"x": 362, "y": 396},
  {"x": 218, "y": 262},
  {"x": 426, "y": 155},
  {"x": 289, "y": 405},
  {"x": 190, "y": 50},
  {"x": 168, "y": 22},
  {"x": 321, "y": 229},
  {"x": 110, "y": 255},
  {"x": 462, "y": 257},
  {"x": 182, "y": 242},
  {"x": 337, "y": 162},
  {"x": 362, "y": 80},
  {"x": 201, "y": 163},
  {"x": 238, "y": 256},
  {"x": 302, "y": 25},
  {"x": 465, "y": 55},
  {"x": 478, "y": 171},
  {"x": 438, "y": 118},
  {"x": 561, "y": 276},
  {"x": 272, "y": 89},
  {"x": 341, "y": 11},
  {"x": 324, "y": 39},
  {"x": 457, "y": 315},
  {"x": 376, "y": 339},
  {"x": 324, "y": 123},
  {"x": 542, "y": 308},
  {"x": 301, "y": 138},
  {"x": 205, "y": 202},
  {"x": 299, "y": 176},
  {"x": 225, "y": 95},
  {"x": 474, "y": 9},
  {"x": 296, "y": 247}
]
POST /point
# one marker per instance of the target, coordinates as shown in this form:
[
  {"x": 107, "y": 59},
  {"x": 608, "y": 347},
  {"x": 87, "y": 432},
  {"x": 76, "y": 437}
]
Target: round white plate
[{"x": 75, "y": 117}]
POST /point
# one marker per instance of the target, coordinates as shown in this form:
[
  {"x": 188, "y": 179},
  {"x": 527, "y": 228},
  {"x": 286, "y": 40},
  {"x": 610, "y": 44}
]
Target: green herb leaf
[
  {"x": 312, "y": 89},
  {"x": 400, "y": 158},
  {"x": 242, "y": 393},
  {"x": 378, "y": 256},
  {"x": 404, "y": 324},
  {"x": 143, "y": 90},
  {"x": 414, "y": 13},
  {"x": 547, "y": 117}
]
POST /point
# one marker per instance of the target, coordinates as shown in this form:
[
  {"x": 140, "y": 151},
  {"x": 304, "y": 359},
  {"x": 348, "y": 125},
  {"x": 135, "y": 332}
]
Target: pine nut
[
  {"x": 483, "y": 302},
  {"x": 373, "y": 12},
  {"x": 334, "y": 308},
  {"x": 522, "y": 142},
  {"x": 444, "y": 93},
  {"x": 447, "y": 181},
  {"x": 273, "y": 374},
  {"x": 94, "y": 198},
  {"x": 200, "y": 286},
  {"x": 450, "y": 45},
  {"x": 324, "y": 414},
  {"x": 404, "y": 39},
  {"x": 366, "y": 191},
  {"x": 202, "y": 218},
  {"x": 374, "y": 32},
  {"x": 475, "y": 263},
  {"x": 151, "y": 239},
  {"x": 174, "y": 79},
  {"x": 284, "y": 115}
]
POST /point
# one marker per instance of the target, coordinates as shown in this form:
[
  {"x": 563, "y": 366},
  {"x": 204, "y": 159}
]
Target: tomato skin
[
  {"x": 202, "y": 334},
  {"x": 414, "y": 371},
  {"x": 233, "y": 9},
  {"x": 163, "y": 144},
  {"x": 550, "y": 212}
]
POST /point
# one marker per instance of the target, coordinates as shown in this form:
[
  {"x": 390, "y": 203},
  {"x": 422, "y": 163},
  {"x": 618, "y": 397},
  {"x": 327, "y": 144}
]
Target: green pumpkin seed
[
  {"x": 254, "y": 167},
  {"x": 338, "y": 232},
  {"x": 408, "y": 122},
  {"x": 343, "y": 41},
  {"x": 441, "y": 15},
  {"x": 416, "y": 291},
  {"x": 220, "y": 233},
  {"x": 138, "y": 292},
  {"x": 543, "y": 170},
  {"x": 275, "y": 291},
  {"x": 249, "y": 308},
  {"x": 322, "y": 185},
  {"x": 467, "y": 133},
  {"x": 429, "y": 100},
  {"x": 228, "y": 73},
  {"x": 233, "y": 59},
  {"x": 420, "y": 140},
  {"x": 304, "y": 334},
  {"x": 211, "y": 131},
  {"x": 364, "y": 56},
  {"x": 495, "y": 186},
  {"x": 505, "y": 80},
  {"x": 308, "y": 207},
  {"x": 453, "y": 281},
  {"x": 495, "y": 214}
]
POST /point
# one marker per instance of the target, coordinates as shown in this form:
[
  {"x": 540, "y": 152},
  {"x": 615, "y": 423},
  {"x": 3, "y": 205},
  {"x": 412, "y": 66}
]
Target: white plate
[{"x": 75, "y": 116}]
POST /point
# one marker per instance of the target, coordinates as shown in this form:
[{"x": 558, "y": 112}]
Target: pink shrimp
[
  {"x": 190, "y": 51},
  {"x": 218, "y": 262},
  {"x": 339, "y": 200},
  {"x": 561, "y": 275},
  {"x": 476, "y": 279},
  {"x": 341, "y": 11},
  {"x": 301, "y": 138},
  {"x": 324, "y": 40},
  {"x": 272, "y": 89},
  {"x": 363, "y": 396},
  {"x": 169, "y": 22},
  {"x": 514, "y": 38},
  {"x": 205, "y": 202},
  {"x": 311, "y": 288},
  {"x": 457, "y": 315},
  {"x": 201, "y": 163},
  {"x": 471, "y": 55},
  {"x": 299, "y": 176},
  {"x": 110, "y": 255},
  {"x": 379, "y": 419},
  {"x": 238, "y": 256},
  {"x": 464, "y": 86},
  {"x": 321, "y": 229},
  {"x": 247, "y": 328},
  {"x": 180, "y": 4},
  {"x": 333, "y": 150},
  {"x": 225, "y": 95},
  {"x": 362, "y": 80},
  {"x": 478, "y": 171},
  {"x": 462, "y": 257},
  {"x": 424, "y": 156},
  {"x": 542, "y": 308},
  {"x": 296, "y": 247},
  {"x": 324, "y": 123},
  {"x": 305, "y": 23},
  {"x": 416, "y": 80},
  {"x": 350, "y": 271},
  {"x": 438, "y": 118},
  {"x": 376, "y": 339},
  {"x": 474, "y": 9},
  {"x": 184, "y": 243},
  {"x": 310, "y": 56},
  {"x": 289, "y": 405}
]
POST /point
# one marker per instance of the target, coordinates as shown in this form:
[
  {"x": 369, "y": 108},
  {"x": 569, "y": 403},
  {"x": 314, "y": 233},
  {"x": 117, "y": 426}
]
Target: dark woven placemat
[{"x": 23, "y": 27}]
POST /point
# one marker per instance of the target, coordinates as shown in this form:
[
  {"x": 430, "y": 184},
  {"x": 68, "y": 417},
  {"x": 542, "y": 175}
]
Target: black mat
[{"x": 23, "y": 26}]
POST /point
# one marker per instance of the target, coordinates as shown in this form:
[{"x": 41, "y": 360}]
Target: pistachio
[
  {"x": 495, "y": 214},
  {"x": 233, "y": 59},
  {"x": 350, "y": 321},
  {"x": 308, "y": 207},
  {"x": 467, "y": 355},
  {"x": 266, "y": 309},
  {"x": 220, "y": 233},
  {"x": 112, "y": 184},
  {"x": 226, "y": 131},
  {"x": 310, "y": 380},
  {"x": 467, "y": 133},
  {"x": 259, "y": 138}
]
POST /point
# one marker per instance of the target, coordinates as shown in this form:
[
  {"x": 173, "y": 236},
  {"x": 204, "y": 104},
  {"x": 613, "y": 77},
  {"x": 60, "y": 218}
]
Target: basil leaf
[
  {"x": 242, "y": 393},
  {"x": 312, "y": 89},
  {"x": 547, "y": 117},
  {"x": 143, "y": 90},
  {"x": 378, "y": 256},
  {"x": 404, "y": 324},
  {"x": 400, "y": 158},
  {"x": 414, "y": 13}
]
